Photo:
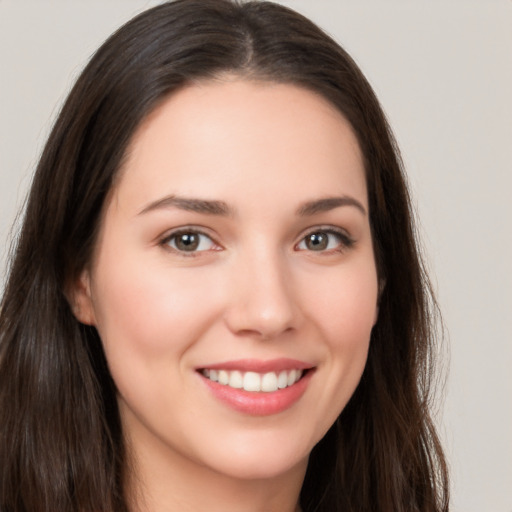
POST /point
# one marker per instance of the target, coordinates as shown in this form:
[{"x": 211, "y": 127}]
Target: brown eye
[
  {"x": 317, "y": 241},
  {"x": 190, "y": 241},
  {"x": 325, "y": 240},
  {"x": 187, "y": 242}
]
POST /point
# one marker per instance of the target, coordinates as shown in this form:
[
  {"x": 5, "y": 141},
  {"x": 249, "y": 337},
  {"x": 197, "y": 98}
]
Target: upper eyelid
[
  {"x": 346, "y": 240},
  {"x": 206, "y": 232},
  {"x": 187, "y": 229},
  {"x": 328, "y": 229},
  {"x": 169, "y": 235}
]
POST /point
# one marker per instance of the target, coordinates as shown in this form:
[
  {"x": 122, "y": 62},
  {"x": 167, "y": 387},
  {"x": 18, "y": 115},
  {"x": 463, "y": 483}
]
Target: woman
[{"x": 216, "y": 299}]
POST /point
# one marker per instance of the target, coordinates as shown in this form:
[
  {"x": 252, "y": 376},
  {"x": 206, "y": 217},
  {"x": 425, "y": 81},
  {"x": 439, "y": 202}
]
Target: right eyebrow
[
  {"x": 205, "y": 206},
  {"x": 329, "y": 203}
]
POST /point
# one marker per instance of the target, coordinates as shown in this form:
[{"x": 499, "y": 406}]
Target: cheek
[
  {"x": 346, "y": 305},
  {"x": 344, "y": 313},
  {"x": 148, "y": 313},
  {"x": 148, "y": 317},
  {"x": 347, "y": 331}
]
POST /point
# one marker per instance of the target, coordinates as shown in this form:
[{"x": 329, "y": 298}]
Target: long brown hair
[{"x": 61, "y": 443}]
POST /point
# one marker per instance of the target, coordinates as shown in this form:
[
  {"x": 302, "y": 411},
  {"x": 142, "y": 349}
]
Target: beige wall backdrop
[{"x": 443, "y": 71}]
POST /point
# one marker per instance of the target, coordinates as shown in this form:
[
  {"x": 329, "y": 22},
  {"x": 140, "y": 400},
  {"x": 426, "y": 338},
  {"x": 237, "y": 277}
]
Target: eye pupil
[
  {"x": 187, "y": 242},
  {"x": 317, "y": 241}
]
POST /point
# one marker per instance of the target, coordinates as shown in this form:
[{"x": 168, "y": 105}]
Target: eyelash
[
  {"x": 344, "y": 241},
  {"x": 165, "y": 242}
]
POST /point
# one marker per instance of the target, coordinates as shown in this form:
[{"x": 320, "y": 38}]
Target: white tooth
[
  {"x": 223, "y": 377},
  {"x": 269, "y": 382},
  {"x": 298, "y": 375},
  {"x": 214, "y": 375},
  {"x": 236, "y": 380},
  {"x": 291, "y": 377},
  {"x": 252, "y": 381},
  {"x": 282, "y": 380}
]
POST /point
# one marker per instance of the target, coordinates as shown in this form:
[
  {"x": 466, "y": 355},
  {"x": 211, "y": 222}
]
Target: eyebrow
[
  {"x": 214, "y": 207},
  {"x": 328, "y": 203},
  {"x": 206, "y": 206}
]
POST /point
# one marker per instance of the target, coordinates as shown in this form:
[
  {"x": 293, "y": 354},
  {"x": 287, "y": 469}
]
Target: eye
[
  {"x": 323, "y": 240},
  {"x": 189, "y": 242}
]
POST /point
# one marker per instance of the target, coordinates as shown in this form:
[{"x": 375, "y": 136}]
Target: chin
[
  {"x": 260, "y": 460},
  {"x": 262, "y": 470}
]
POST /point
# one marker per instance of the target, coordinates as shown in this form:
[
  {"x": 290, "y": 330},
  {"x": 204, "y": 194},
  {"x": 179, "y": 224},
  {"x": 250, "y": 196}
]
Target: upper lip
[{"x": 260, "y": 366}]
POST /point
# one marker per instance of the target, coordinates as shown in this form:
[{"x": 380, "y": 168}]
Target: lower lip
[{"x": 259, "y": 403}]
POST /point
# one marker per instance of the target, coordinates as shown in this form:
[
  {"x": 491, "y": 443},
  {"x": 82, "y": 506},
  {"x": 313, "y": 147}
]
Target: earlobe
[{"x": 80, "y": 299}]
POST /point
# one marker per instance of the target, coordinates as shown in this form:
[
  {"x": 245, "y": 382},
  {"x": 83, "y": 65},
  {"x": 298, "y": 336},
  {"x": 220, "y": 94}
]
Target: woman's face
[{"x": 234, "y": 284}]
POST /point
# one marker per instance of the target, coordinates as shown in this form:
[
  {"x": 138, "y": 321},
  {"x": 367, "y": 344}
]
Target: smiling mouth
[{"x": 255, "y": 382}]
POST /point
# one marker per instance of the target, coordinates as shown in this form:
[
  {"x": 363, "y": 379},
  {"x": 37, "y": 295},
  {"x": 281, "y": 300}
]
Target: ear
[{"x": 80, "y": 299}]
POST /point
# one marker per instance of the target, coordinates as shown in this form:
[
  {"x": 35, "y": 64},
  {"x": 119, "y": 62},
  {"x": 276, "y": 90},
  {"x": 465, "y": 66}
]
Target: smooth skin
[{"x": 267, "y": 269}]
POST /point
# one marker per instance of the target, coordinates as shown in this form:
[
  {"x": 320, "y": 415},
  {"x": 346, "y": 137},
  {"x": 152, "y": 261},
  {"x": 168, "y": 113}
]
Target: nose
[{"x": 263, "y": 303}]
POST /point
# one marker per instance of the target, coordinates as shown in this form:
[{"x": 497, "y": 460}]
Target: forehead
[{"x": 228, "y": 132}]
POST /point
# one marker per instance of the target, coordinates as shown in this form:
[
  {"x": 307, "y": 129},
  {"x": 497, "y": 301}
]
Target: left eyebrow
[
  {"x": 205, "y": 206},
  {"x": 328, "y": 203}
]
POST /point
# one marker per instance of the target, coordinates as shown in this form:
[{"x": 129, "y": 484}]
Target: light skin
[{"x": 238, "y": 228}]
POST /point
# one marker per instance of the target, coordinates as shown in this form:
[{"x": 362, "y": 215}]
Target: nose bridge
[{"x": 262, "y": 302}]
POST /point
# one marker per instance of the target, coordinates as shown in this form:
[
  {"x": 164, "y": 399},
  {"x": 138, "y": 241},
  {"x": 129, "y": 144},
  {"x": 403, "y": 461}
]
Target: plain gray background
[{"x": 443, "y": 72}]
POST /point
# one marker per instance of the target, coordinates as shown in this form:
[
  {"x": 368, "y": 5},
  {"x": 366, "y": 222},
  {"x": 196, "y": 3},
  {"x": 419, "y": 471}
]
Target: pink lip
[
  {"x": 260, "y": 403},
  {"x": 260, "y": 366}
]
